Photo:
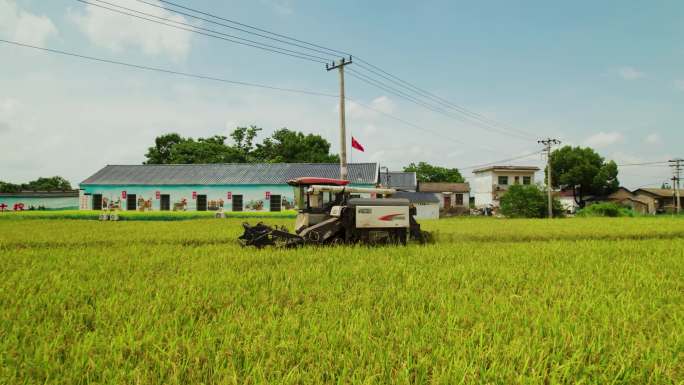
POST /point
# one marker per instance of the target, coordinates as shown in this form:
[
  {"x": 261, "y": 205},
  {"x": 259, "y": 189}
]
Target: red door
[{"x": 447, "y": 201}]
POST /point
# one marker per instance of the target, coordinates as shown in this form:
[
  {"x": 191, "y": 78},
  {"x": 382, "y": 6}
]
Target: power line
[
  {"x": 500, "y": 161},
  {"x": 326, "y": 52},
  {"x": 253, "y": 27},
  {"x": 197, "y": 30},
  {"x": 367, "y": 66},
  {"x": 167, "y": 71},
  {"x": 414, "y": 100},
  {"x": 233, "y": 82},
  {"x": 642, "y": 164}
]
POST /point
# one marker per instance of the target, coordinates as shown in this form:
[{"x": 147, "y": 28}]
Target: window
[
  {"x": 516, "y": 180},
  {"x": 201, "y": 203},
  {"x": 237, "y": 202},
  {"x": 131, "y": 202},
  {"x": 503, "y": 180},
  {"x": 459, "y": 199},
  {"x": 97, "y": 201},
  {"x": 165, "y": 203},
  {"x": 275, "y": 203},
  {"x": 527, "y": 180}
]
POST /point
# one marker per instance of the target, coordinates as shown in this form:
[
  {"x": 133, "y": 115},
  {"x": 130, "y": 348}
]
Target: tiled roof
[
  {"x": 227, "y": 173},
  {"x": 507, "y": 168},
  {"x": 401, "y": 180},
  {"x": 437, "y": 187},
  {"x": 417, "y": 197},
  {"x": 660, "y": 192}
]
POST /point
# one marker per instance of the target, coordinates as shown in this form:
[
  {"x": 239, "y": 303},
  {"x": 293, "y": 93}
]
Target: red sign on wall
[
  {"x": 268, "y": 195},
  {"x": 229, "y": 195},
  {"x": 194, "y": 195},
  {"x": 157, "y": 195},
  {"x": 123, "y": 195}
]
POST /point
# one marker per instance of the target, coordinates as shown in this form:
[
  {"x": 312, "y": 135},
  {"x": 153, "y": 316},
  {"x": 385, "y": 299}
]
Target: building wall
[
  {"x": 427, "y": 211},
  {"x": 485, "y": 183},
  {"x": 49, "y": 203},
  {"x": 254, "y": 196},
  {"x": 466, "y": 199}
]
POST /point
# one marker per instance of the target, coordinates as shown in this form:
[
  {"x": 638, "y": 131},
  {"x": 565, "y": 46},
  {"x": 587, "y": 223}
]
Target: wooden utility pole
[
  {"x": 548, "y": 142},
  {"x": 343, "y": 129},
  {"x": 676, "y": 165}
]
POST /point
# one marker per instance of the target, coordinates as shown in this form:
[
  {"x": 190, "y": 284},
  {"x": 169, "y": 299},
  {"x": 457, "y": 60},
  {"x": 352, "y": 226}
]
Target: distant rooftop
[
  {"x": 438, "y": 187},
  {"x": 227, "y": 173},
  {"x": 506, "y": 168},
  {"x": 401, "y": 180}
]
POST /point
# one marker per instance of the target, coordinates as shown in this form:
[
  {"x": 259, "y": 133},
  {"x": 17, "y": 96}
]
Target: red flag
[{"x": 356, "y": 144}]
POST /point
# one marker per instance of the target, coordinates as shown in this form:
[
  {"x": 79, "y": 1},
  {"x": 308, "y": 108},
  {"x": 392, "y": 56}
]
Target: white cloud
[
  {"x": 118, "y": 32},
  {"x": 23, "y": 26},
  {"x": 630, "y": 73},
  {"x": 383, "y": 104},
  {"x": 604, "y": 139},
  {"x": 653, "y": 139},
  {"x": 679, "y": 84},
  {"x": 284, "y": 7}
]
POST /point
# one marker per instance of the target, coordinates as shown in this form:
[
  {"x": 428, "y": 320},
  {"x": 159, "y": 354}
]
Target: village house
[
  {"x": 39, "y": 200},
  {"x": 490, "y": 183},
  {"x": 208, "y": 187},
  {"x": 659, "y": 200},
  {"x": 451, "y": 196}
]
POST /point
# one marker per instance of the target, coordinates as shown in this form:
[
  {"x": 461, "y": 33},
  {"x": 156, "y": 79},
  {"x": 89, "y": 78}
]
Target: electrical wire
[
  {"x": 196, "y": 30},
  {"x": 167, "y": 71},
  {"x": 364, "y": 65},
  {"x": 501, "y": 161}
]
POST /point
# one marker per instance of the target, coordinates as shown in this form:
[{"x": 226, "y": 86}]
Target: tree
[
  {"x": 294, "y": 147},
  {"x": 527, "y": 201},
  {"x": 283, "y": 146},
  {"x": 55, "y": 183},
  {"x": 6, "y": 187},
  {"x": 163, "y": 145},
  {"x": 583, "y": 170},
  {"x": 428, "y": 173}
]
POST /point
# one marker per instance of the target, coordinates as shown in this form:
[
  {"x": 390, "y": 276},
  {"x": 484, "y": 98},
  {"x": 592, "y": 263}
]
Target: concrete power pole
[
  {"x": 548, "y": 142},
  {"x": 676, "y": 165},
  {"x": 343, "y": 129}
]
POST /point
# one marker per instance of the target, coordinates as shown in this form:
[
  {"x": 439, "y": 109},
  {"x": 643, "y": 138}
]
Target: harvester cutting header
[{"x": 331, "y": 212}]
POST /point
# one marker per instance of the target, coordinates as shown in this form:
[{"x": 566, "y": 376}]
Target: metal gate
[
  {"x": 201, "y": 203},
  {"x": 97, "y": 201},
  {"x": 165, "y": 202},
  {"x": 131, "y": 202},
  {"x": 237, "y": 202},
  {"x": 275, "y": 202}
]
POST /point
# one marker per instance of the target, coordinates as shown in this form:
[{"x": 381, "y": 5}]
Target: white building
[{"x": 490, "y": 183}]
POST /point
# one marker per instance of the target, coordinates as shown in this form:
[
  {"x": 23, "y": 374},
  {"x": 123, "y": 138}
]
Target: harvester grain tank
[{"x": 331, "y": 212}]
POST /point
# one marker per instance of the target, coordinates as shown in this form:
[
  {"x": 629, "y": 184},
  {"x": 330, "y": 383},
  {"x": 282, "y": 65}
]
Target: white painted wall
[
  {"x": 427, "y": 211},
  {"x": 483, "y": 184}
]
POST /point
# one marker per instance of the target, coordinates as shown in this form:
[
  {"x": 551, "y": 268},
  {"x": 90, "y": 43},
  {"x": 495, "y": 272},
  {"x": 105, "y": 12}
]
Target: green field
[{"x": 590, "y": 300}]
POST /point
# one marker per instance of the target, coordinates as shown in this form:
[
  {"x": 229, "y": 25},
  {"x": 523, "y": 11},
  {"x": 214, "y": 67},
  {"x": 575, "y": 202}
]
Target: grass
[
  {"x": 140, "y": 216},
  {"x": 590, "y": 300}
]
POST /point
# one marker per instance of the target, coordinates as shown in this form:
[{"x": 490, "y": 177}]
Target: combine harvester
[{"x": 328, "y": 214}]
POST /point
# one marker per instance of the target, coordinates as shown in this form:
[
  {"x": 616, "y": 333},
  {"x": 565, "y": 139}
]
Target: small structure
[
  {"x": 399, "y": 180},
  {"x": 39, "y": 200},
  {"x": 638, "y": 204},
  {"x": 491, "y": 183},
  {"x": 208, "y": 187},
  {"x": 659, "y": 200},
  {"x": 427, "y": 204},
  {"x": 454, "y": 198},
  {"x": 568, "y": 202}
]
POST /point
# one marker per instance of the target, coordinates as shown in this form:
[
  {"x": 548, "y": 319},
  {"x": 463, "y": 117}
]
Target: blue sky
[{"x": 606, "y": 74}]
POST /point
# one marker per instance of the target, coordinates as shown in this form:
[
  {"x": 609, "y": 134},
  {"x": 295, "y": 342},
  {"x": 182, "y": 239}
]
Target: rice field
[{"x": 590, "y": 300}]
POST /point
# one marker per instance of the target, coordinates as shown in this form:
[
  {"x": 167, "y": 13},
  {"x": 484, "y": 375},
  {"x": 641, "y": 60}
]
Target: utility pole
[
  {"x": 548, "y": 142},
  {"x": 676, "y": 165},
  {"x": 343, "y": 129}
]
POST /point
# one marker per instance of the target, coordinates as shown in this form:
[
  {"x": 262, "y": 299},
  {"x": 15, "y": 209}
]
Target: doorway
[
  {"x": 97, "y": 201},
  {"x": 201, "y": 203},
  {"x": 131, "y": 202},
  {"x": 275, "y": 203},
  {"x": 165, "y": 202}
]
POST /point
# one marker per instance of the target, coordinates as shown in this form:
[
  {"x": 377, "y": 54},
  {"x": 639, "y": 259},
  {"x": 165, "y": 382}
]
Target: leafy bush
[
  {"x": 606, "y": 209},
  {"x": 528, "y": 201}
]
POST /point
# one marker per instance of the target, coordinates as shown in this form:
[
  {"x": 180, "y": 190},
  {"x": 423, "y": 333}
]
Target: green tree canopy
[
  {"x": 282, "y": 146},
  {"x": 294, "y": 147},
  {"x": 584, "y": 171},
  {"x": 426, "y": 172},
  {"x": 55, "y": 183},
  {"x": 527, "y": 201}
]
